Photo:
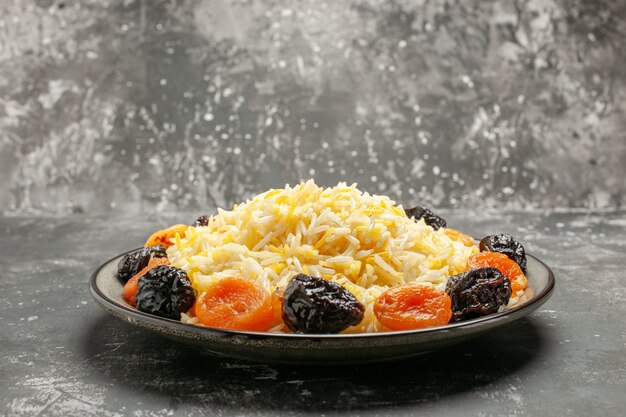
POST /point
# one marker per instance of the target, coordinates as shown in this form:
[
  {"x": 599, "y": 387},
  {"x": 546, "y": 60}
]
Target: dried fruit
[
  {"x": 502, "y": 263},
  {"x": 165, "y": 291},
  {"x": 429, "y": 217},
  {"x": 413, "y": 306},
  {"x": 459, "y": 237},
  {"x": 235, "y": 303},
  {"x": 132, "y": 285},
  {"x": 315, "y": 305},
  {"x": 478, "y": 292},
  {"x": 162, "y": 237},
  {"x": 504, "y": 243},
  {"x": 135, "y": 261},
  {"x": 202, "y": 221}
]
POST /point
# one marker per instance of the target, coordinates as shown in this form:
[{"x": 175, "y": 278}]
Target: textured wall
[{"x": 161, "y": 105}]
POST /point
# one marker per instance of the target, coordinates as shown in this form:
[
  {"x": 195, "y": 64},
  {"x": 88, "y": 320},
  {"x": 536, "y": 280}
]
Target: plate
[{"x": 301, "y": 349}]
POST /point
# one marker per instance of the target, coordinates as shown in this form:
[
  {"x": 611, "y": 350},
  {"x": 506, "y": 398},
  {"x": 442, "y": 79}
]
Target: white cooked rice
[{"x": 364, "y": 242}]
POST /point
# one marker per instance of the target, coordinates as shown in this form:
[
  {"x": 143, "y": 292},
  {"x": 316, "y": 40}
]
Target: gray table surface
[{"x": 64, "y": 356}]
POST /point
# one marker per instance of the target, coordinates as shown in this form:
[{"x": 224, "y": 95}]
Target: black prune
[
  {"x": 202, "y": 221},
  {"x": 505, "y": 244},
  {"x": 429, "y": 217},
  {"x": 478, "y": 292},
  {"x": 165, "y": 291},
  {"x": 135, "y": 261},
  {"x": 315, "y": 305}
]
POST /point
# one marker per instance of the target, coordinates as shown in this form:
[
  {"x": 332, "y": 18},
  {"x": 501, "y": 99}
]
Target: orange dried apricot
[
  {"x": 162, "y": 237},
  {"x": 459, "y": 237},
  {"x": 413, "y": 307},
  {"x": 235, "y": 303}
]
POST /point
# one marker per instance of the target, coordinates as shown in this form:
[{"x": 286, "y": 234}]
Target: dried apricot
[
  {"x": 237, "y": 304},
  {"x": 162, "y": 237},
  {"x": 132, "y": 285},
  {"x": 413, "y": 307},
  {"x": 459, "y": 237},
  {"x": 504, "y": 264}
]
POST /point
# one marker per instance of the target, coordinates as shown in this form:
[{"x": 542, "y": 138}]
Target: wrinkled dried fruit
[
  {"x": 503, "y": 264},
  {"x": 315, "y": 305},
  {"x": 429, "y": 217},
  {"x": 165, "y": 291},
  {"x": 202, "y": 221},
  {"x": 504, "y": 243},
  {"x": 132, "y": 285},
  {"x": 412, "y": 306},
  {"x": 478, "y": 292},
  {"x": 135, "y": 261}
]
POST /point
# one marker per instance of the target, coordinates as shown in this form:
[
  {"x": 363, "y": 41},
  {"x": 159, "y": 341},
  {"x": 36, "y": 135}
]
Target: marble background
[{"x": 146, "y": 106}]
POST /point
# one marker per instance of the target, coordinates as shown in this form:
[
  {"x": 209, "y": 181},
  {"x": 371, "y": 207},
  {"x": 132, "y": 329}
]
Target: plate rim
[{"x": 120, "y": 308}]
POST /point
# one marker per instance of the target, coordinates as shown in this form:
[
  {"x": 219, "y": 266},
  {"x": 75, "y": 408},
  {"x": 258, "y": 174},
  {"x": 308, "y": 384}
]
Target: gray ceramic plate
[{"x": 317, "y": 349}]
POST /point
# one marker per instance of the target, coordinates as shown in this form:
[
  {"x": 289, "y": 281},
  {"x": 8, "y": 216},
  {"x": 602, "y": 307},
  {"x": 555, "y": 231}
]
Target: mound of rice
[{"x": 364, "y": 242}]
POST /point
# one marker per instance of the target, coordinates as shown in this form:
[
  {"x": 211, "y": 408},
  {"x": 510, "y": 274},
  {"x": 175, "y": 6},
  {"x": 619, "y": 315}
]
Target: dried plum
[
  {"x": 165, "y": 291},
  {"x": 429, "y": 217},
  {"x": 505, "y": 244},
  {"x": 315, "y": 305},
  {"x": 135, "y": 261},
  {"x": 202, "y": 221},
  {"x": 477, "y": 292}
]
